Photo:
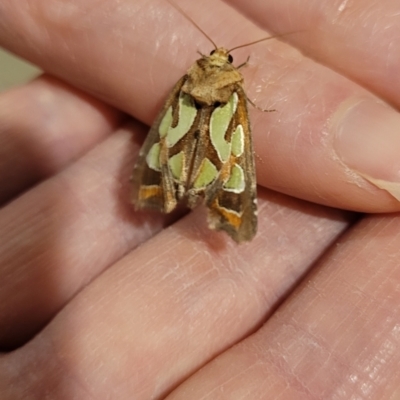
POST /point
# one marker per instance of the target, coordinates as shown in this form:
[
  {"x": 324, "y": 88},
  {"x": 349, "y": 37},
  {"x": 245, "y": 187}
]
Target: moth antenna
[
  {"x": 194, "y": 23},
  {"x": 261, "y": 40}
]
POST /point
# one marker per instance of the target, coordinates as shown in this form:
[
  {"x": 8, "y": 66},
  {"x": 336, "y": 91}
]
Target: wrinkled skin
[{"x": 308, "y": 310}]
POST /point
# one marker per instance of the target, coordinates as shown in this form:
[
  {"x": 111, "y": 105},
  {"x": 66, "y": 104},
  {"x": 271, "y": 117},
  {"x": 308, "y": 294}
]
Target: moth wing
[
  {"x": 152, "y": 182},
  {"x": 232, "y": 202}
]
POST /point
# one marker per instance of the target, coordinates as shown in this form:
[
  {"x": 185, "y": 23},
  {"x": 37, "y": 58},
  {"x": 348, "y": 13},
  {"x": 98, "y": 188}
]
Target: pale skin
[{"x": 314, "y": 316}]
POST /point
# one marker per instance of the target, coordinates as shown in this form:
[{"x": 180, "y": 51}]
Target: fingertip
[{"x": 366, "y": 138}]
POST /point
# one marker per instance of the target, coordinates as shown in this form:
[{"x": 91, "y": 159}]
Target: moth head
[{"x": 220, "y": 57}]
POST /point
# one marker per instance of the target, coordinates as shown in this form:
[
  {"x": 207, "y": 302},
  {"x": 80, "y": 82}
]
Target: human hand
[{"x": 119, "y": 320}]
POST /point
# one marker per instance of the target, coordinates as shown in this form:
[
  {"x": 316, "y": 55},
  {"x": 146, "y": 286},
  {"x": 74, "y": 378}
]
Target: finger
[
  {"x": 61, "y": 234},
  {"x": 173, "y": 304},
  {"x": 356, "y": 38},
  {"x": 337, "y": 336},
  {"x": 338, "y": 125},
  {"x": 119, "y": 74},
  {"x": 44, "y": 126},
  {"x": 305, "y": 149}
]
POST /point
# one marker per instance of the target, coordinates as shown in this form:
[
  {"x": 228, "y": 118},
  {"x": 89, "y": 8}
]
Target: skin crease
[{"x": 308, "y": 310}]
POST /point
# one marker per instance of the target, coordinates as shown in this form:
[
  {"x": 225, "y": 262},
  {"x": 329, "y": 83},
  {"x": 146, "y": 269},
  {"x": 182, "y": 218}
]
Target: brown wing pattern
[
  {"x": 187, "y": 165},
  {"x": 151, "y": 188},
  {"x": 236, "y": 213}
]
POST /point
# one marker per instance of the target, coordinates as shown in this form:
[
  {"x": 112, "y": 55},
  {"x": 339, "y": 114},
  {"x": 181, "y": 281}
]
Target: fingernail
[{"x": 367, "y": 140}]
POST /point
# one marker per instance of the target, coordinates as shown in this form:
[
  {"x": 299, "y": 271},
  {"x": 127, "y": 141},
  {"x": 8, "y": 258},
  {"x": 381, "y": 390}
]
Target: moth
[{"x": 200, "y": 149}]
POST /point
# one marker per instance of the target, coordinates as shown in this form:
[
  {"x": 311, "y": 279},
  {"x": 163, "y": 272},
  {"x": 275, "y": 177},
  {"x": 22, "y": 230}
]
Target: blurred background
[{"x": 14, "y": 71}]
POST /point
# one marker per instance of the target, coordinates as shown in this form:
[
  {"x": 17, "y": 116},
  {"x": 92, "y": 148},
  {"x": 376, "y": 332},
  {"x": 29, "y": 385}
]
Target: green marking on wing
[
  {"x": 165, "y": 123},
  {"x": 176, "y": 164},
  {"x": 207, "y": 173},
  {"x": 238, "y": 141},
  {"x": 187, "y": 115},
  {"x": 153, "y": 157},
  {"x": 236, "y": 181},
  {"x": 219, "y": 122}
]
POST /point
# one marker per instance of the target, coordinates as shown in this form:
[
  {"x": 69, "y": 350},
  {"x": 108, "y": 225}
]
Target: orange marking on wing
[
  {"x": 232, "y": 217},
  {"x": 146, "y": 192}
]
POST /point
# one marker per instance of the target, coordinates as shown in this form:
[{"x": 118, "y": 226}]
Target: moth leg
[
  {"x": 259, "y": 108},
  {"x": 244, "y": 64}
]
